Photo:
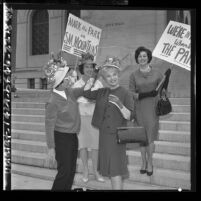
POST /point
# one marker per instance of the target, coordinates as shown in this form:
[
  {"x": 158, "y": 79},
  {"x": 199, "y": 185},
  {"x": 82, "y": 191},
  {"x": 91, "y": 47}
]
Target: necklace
[
  {"x": 147, "y": 69},
  {"x": 145, "y": 72}
]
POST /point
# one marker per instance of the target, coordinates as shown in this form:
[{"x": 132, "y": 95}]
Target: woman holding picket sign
[{"x": 88, "y": 136}]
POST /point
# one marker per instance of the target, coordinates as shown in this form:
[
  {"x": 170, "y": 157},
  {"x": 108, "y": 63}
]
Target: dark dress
[
  {"x": 112, "y": 160},
  {"x": 145, "y": 109}
]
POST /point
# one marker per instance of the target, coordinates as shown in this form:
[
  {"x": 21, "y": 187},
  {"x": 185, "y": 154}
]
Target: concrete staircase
[{"x": 171, "y": 158}]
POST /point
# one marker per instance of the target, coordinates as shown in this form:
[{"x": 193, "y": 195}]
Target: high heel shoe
[
  {"x": 150, "y": 173},
  {"x": 144, "y": 171},
  {"x": 99, "y": 178},
  {"x": 85, "y": 179}
]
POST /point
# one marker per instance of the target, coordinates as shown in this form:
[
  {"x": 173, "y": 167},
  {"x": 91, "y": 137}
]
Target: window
[
  {"x": 31, "y": 83},
  {"x": 179, "y": 16},
  {"x": 73, "y": 12},
  {"x": 40, "y": 32},
  {"x": 43, "y": 83}
]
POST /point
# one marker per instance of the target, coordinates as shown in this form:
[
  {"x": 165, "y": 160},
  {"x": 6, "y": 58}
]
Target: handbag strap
[{"x": 132, "y": 122}]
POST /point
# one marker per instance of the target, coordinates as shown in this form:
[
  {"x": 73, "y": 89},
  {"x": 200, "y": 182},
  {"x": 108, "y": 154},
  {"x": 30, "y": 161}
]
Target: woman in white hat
[
  {"x": 62, "y": 123},
  {"x": 114, "y": 106},
  {"x": 88, "y": 136}
]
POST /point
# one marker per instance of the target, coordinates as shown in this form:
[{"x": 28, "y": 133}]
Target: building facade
[{"x": 40, "y": 32}]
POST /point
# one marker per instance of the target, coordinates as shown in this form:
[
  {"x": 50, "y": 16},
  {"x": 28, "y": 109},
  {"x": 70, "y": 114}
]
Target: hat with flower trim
[
  {"x": 55, "y": 70},
  {"x": 112, "y": 62}
]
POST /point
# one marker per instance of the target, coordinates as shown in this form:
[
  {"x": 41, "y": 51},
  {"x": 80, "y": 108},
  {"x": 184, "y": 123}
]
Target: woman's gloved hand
[
  {"x": 152, "y": 93},
  {"x": 115, "y": 100}
]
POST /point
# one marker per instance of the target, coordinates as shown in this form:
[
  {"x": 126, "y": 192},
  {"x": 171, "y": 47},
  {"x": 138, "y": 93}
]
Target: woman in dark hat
[{"x": 88, "y": 136}]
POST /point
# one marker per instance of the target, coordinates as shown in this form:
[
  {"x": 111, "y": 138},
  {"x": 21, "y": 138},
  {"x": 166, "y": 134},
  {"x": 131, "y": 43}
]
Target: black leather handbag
[
  {"x": 163, "y": 106},
  {"x": 131, "y": 134}
]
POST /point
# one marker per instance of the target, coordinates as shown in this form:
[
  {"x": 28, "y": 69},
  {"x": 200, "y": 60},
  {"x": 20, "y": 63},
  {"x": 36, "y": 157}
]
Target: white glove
[
  {"x": 89, "y": 84},
  {"x": 115, "y": 100}
]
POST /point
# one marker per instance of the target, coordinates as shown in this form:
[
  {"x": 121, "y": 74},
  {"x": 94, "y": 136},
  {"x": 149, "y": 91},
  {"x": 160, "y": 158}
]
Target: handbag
[
  {"x": 163, "y": 106},
  {"x": 131, "y": 134}
]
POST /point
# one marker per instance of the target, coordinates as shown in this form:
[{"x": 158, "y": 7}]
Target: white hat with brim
[{"x": 60, "y": 75}]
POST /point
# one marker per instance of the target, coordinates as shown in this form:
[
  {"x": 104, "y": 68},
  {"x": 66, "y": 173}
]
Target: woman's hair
[
  {"x": 81, "y": 68},
  {"x": 103, "y": 71},
  {"x": 143, "y": 49}
]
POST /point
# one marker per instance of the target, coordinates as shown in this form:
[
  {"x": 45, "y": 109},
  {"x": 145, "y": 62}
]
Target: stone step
[
  {"x": 28, "y": 135},
  {"x": 174, "y": 101},
  {"x": 28, "y": 111},
  {"x": 30, "y": 99},
  {"x": 164, "y": 125},
  {"x": 29, "y": 146},
  {"x": 160, "y": 160},
  {"x": 161, "y": 147},
  {"x": 177, "y": 116},
  {"x": 31, "y": 126},
  {"x": 174, "y": 136},
  {"x": 176, "y": 148},
  {"x": 181, "y": 108},
  {"x": 32, "y": 93},
  {"x": 92, "y": 184},
  {"x": 174, "y": 125},
  {"x": 41, "y": 118},
  {"x": 180, "y": 101},
  {"x": 162, "y": 177},
  {"x": 36, "y": 108},
  {"x": 28, "y": 118},
  {"x": 28, "y": 105},
  {"x": 165, "y": 177},
  {"x": 164, "y": 135}
]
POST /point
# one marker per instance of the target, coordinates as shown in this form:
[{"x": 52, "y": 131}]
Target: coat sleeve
[
  {"x": 129, "y": 103},
  {"x": 91, "y": 94},
  {"x": 50, "y": 120},
  {"x": 132, "y": 85},
  {"x": 76, "y": 92}
]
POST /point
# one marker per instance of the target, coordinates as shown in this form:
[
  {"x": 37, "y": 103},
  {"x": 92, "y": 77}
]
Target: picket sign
[
  {"x": 81, "y": 37},
  {"x": 174, "y": 45}
]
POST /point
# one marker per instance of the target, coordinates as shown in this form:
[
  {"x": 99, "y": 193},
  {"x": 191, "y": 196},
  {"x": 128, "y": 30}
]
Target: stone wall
[{"x": 122, "y": 32}]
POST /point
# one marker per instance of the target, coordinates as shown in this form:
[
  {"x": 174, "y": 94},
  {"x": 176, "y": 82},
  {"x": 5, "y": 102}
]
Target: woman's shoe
[
  {"x": 143, "y": 171},
  {"x": 85, "y": 180},
  {"x": 100, "y": 179},
  {"x": 150, "y": 173}
]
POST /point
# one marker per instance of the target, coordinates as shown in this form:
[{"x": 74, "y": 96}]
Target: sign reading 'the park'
[
  {"x": 174, "y": 45},
  {"x": 81, "y": 37}
]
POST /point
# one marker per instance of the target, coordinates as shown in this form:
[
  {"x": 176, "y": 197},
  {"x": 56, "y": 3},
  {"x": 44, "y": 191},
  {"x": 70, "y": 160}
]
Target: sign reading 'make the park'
[
  {"x": 81, "y": 37},
  {"x": 174, "y": 45}
]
